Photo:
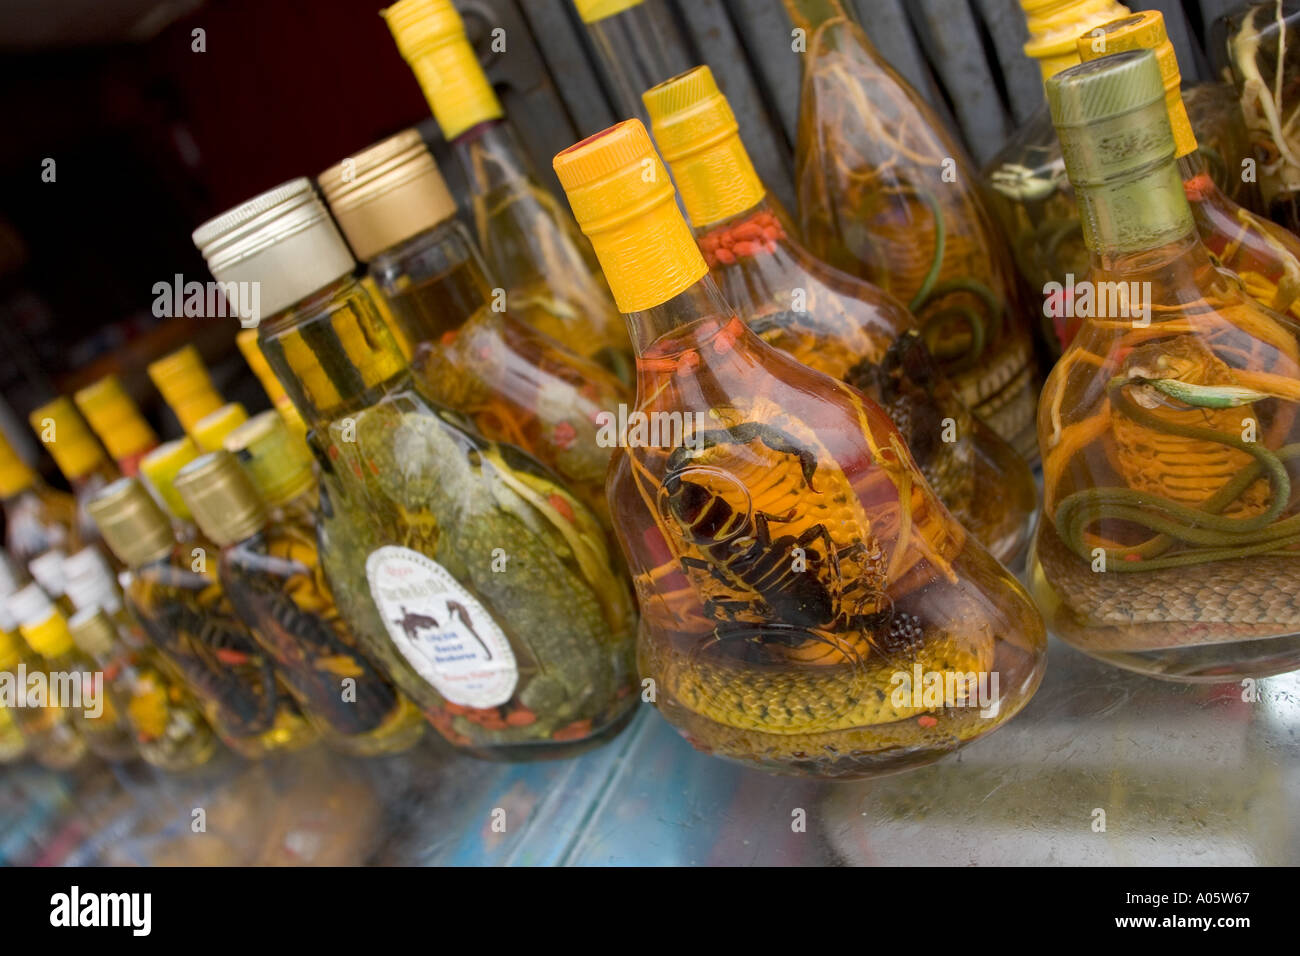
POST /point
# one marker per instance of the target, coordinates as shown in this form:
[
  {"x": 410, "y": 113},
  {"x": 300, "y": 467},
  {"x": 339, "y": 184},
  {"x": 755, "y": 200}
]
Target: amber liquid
[{"x": 789, "y": 666}]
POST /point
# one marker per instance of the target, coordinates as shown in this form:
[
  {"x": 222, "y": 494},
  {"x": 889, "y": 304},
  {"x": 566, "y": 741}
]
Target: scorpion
[{"x": 742, "y": 554}]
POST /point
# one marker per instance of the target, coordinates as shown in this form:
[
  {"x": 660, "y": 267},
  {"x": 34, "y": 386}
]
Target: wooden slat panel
[
  {"x": 951, "y": 37},
  {"x": 716, "y": 39},
  {"x": 764, "y": 29},
  {"x": 557, "y": 28},
  {"x": 1005, "y": 22}
]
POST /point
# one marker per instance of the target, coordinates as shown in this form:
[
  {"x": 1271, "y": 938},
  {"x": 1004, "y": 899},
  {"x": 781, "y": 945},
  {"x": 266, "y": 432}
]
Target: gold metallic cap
[
  {"x": 1146, "y": 31},
  {"x": 624, "y": 201},
  {"x": 594, "y": 10},
  {"x": 283, "y": 240},
  {"x": 186, "y": 386},
  {"x": 1100, "y": 91},
  {"x": 134, "y": 527},
  {"x": 699, "y": 138},
  {"x": 15, "y": 475},
  {"x": 212, "y": 429},
  {"x": 225, "y": 504},
  {"x": 386, "y": 194},
  {"x": 62, "y": 430},
  {"x": 278, "y": 462},
  {"x": 160, "y": 468},
  {"x": 93, "y": 631},
  {"x": 431, "y": 38},
  {"x": 248, "y": 344},
  {"x": 114, "y": 418}
]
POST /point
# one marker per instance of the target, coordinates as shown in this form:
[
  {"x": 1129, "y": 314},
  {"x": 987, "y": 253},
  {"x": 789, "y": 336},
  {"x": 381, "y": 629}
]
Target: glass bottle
[
  {"x": 174, "y": 593},
  {"x": 246, "y": 339},
  {"x": 515, "y": 383},
  {"x": 270, "y": 568},
  {"x": 37, "y": 517},
  {"x": 117, "y": 422},
  {"x": 1168, "y": 537},
  {"x": 185, "y": 385},
  {"x": 47, "y": 730},
  {"x": 1263, "y": 255},
  {"x": 169, "y": 727},
  {"x": 91, "y": 701},
  {"x": 793, "y": 565},
  {"x": 1259, "y": 45},
  {"x": 80, "y": 458},
  {"x": 158, "y": 470},
  {"x": 830, "y": 321},
  {"x": 886, "y": 193},
  {"x": 472, "y": 576},
  {"x": 531, "y": 244},
  {"x": 13, "y": 746}
]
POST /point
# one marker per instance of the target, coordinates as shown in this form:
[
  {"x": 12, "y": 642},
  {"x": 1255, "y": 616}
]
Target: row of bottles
[{"x": 448, "y": 511}]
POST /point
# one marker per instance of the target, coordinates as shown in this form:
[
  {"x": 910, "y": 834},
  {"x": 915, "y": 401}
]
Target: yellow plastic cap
[
  {"x": 160, "y": 468},
  {"x": 278, "y": 462},
  {"x": 623, "y": 200},
  {"x": 185, "y": 385},
  {"x": 40, "y": 622},
  {"x": 114, "y": 418},
  {"x": 431, "y": 38},
  {"x": 699, "y": 138},
  {"x": 1055, "y": 25},
  {"x": 15, "y": 476},
  {"x": 593, "y": 10},
  {"x": 1146, "y": 31},
  {"x": 252, "y": 351},
  {"x": 63, "y": 431},
  {"x": 211, "y": 430}
]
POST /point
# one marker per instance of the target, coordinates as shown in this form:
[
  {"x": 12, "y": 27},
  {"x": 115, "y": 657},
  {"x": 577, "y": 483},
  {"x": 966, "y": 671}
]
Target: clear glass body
[
  {"x": 511, "y": 572},
  {"x": 796, "y": 571},
  {"x": 1260, "y": 46},
  {"x": 277, "y": 585},
  {"x": 887, "y": 194},
  {"x": 534, "y": 247},
  {"x": 52, "y": 738},
  {"x": 108, "y": 734},
  {"x": 168, "y": 726},
  {"x": 40, "y": 519},
  {"x": 1169, "y": 536},
  {"x": 1034, "y": 200},
  {"x": 852, "y": 331},
  {"x": 515, "y": 383},
  {"x": 1222, "y": 141},
  {"x": 187, "y": 617}
]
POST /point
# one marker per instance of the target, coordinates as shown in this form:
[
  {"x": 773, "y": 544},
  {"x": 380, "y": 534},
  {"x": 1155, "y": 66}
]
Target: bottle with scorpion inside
[
  {"x": 471, "y": 574},
  {"x": 271, "y": 570},
  {"x": 531, "y": 244},
  {"x": 801, "y": 586},
  {"x": 175, "y": 595},
  {"x": 1259, "y": 45},
  {"x": 516, "y": 384},
  {"x": 887, "y": 194},
  {"x": 831, "y": 321},
  {"x": 93, "y": 701},
  {"x": 1169, "y": 536}
]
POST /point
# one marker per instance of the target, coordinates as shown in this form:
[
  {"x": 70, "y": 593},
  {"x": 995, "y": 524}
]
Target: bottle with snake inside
[
  {"x": 466, "y": 569},
  {"x": 1170, "y": 538},
  {"x": 886, "y": 193},
  {"x": 832, "y": 321},
  {"x": 799, "y": 580}
]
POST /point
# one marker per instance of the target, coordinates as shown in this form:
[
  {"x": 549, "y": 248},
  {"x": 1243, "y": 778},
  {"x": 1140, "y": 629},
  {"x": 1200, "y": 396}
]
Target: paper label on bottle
[{"x": 444, "y": 633}]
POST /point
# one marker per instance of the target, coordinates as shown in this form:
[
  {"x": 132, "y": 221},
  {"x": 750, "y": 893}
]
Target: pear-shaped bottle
[
  {"x": 800, "y": 583},
  {"x": 1170, "y": 539}
]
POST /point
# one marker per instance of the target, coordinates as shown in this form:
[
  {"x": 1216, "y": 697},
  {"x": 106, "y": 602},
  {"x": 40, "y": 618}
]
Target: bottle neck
[
  {"x": 333, "y": 353},
  {"x": 639, "y": 47},
  {"x": 699, "y": 302},
  {"x": 1141, "y": 210},
  {"x": 810, "y": 14}
]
